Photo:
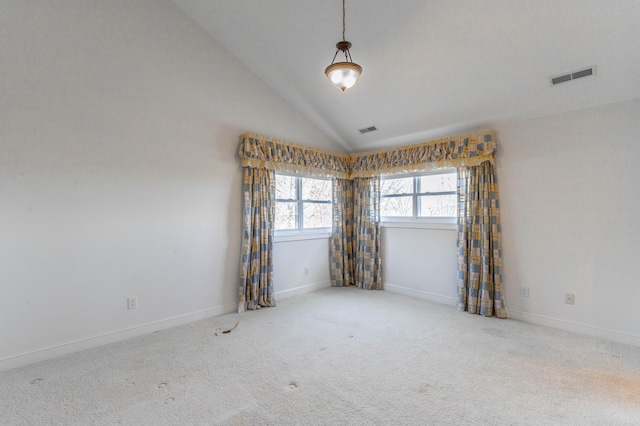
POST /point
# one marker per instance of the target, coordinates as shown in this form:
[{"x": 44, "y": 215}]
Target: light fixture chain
[
  {"x": 343, "y": 19},
  {"x": 334, "y": 57}
]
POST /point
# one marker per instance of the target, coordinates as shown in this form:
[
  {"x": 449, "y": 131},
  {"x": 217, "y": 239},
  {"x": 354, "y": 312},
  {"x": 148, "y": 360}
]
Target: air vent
[
  {"x": 561, "y": 79},
  {"x": 583, "y": 73},
  {"x": 368, "y": 129},
  {"x": 572, "y": 75}
]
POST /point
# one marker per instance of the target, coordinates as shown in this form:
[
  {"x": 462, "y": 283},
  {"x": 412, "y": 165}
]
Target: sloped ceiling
[{"x": 431, "y": 68}]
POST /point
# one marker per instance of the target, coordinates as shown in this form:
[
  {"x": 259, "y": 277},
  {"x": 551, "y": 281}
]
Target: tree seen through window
[
  {"x": 424, "y": 196},
  {"x": 302, "y": 203}
]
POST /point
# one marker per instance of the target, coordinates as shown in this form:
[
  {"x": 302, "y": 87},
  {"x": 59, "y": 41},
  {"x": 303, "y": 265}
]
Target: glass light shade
[{"x": 343, "y": 75}]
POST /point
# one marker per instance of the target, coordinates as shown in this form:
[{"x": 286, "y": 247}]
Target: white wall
[
  {"x": 420, "y": 262},
  {"x": 569, "y": 204},
  {"x": 300, "y": 266},
  {"x": 119, "y": 124}
]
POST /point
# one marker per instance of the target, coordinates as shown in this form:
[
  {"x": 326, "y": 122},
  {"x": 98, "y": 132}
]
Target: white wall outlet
[
  {"x": 306, "y": 271},
  {"x": 132, "y": 303},
  {"x": 524, "y": 291},
  {"x": 569, "y": 298}
]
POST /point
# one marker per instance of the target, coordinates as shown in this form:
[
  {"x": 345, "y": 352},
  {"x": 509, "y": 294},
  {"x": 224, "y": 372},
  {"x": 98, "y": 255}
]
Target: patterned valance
[
  {"x": 273, "y": 154},
  {"x": 468, "y": 149},
  {"x": 458, "y": 151}
]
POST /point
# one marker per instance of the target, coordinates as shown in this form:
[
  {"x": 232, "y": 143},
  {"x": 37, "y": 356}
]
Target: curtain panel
[
  {"x": 256, "y": 270},
  {"x": 342, "y": 246},
  {"x": 366, "y": 207},
  {"x": 479, "y": 242}
]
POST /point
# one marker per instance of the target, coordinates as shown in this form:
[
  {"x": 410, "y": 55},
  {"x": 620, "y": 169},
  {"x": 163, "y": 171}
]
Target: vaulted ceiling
[{"x": 431, "y": 68}]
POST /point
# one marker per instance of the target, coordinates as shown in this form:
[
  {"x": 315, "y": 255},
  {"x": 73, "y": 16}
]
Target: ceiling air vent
[
  {"x": 368, "y": 129},
  {"x": 573, "y": 75}
]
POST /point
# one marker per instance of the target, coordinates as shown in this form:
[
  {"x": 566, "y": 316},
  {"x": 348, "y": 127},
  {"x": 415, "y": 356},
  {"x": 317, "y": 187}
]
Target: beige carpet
[{"x": 336, "y": 356}]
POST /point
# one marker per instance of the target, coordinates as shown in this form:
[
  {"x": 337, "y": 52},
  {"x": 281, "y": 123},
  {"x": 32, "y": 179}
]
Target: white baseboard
[
  {"x": 584, "y": 329},
  {"x": 420, "y": 294},
  {"x": 284, "y": 294},
  {"x": 20, "y": 360}
]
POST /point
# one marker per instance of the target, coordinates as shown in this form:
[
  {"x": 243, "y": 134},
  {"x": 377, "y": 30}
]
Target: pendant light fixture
[{"x": 343, "y": 75}]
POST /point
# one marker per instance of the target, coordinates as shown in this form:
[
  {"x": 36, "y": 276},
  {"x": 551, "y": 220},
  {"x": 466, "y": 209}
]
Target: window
[
  {"x": 302, "y": 203},
  {"x": 428, "y": 195}
]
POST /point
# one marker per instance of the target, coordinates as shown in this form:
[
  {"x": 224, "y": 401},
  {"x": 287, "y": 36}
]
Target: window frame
[
  {"x": 300, "y": 232},
  {"x": 402, "y": 221}
]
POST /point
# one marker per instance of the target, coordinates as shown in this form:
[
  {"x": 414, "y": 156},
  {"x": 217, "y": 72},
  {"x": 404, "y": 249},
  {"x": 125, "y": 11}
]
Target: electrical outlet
[
  {"x": 132, "y": 303},
  {"x": 524, "y": 291},
  {"x": 569, "y": 298},
  {"x": 306, "y": 271}
]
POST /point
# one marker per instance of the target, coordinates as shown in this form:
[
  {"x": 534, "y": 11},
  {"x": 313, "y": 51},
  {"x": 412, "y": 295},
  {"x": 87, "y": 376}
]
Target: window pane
[
  {"x": 438, "y": 183},
  {"x": 438, "y": 205},
  {"x": 317, "y": 215},
  {"x": 396, "y": 186},
  {"x": 285, "y": 216},
  {"x": 285, "y": 187},
  {"x": 396, "y": 206},
  {"x": 316, "y": 189}
]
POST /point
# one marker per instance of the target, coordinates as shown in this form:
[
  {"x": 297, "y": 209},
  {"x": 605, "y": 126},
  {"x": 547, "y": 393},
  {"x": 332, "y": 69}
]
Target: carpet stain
[
  {"x": 229, "y": 330},
  {"x": 226, "y": 330}
]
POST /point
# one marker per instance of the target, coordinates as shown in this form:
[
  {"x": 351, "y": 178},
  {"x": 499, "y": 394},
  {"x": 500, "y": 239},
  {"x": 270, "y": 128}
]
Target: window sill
[
  {"x": 301, "y": 236},
  {"x": 420, "y": 225}
]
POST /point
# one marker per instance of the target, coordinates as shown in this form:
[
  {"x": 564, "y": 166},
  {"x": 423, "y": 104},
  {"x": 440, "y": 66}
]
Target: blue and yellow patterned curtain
[
  {"x": 261, "y": 152},
  {"x": 366, "y": 207},
  {"x": 463, "y": 150},
  {"x": 479, "y": 242},
  {"x": 342, "y": 245},
  {"x": 355, "y": 242},
  {"x": 256, "y": 271}
]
